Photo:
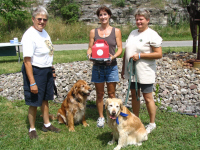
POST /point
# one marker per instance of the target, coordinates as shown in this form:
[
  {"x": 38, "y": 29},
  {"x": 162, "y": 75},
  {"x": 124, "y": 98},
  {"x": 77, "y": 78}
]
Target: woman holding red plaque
[{"x": 106, "y": 72}]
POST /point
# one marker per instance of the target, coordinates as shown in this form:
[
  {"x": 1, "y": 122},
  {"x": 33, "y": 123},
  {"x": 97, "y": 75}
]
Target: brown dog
[
  {"x": 73, "y": 107},
  {"x": 127, "y": 128}
]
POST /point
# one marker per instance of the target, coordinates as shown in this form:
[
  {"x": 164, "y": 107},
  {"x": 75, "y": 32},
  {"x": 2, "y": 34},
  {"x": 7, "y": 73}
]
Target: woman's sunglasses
[{"x": 40, "y": 19}]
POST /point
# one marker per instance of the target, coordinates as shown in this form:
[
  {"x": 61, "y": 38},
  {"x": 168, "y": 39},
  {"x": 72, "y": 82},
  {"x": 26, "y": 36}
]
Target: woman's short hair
[
  {"x": 143, "y": 12},
  {"x": 40, "y": 10},
  {"x": 103, "y": 8}
]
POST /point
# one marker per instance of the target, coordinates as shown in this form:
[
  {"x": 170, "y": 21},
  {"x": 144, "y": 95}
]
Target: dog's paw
[
  {"x": 71, "y": 130},
  {"x": 138, "y": 144},
  {"x": 85, "y": 125},
  {"x": 117, "y": 148},
  {"x": 110, "y": 142}
]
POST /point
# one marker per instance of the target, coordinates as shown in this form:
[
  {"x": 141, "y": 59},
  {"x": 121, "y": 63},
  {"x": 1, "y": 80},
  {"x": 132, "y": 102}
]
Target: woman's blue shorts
[
  {"x": 102, "y": 74},
  {"x": 45, "y": 82}
]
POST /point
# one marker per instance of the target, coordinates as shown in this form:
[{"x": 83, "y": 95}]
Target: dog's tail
[{"x": 61, "y": 117}]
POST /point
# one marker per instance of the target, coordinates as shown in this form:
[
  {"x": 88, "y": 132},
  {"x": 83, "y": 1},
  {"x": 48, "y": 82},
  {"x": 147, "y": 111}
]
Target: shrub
[
  {"x": 13, "y": 13},
  {"x": 184, "y": 3},
  {"x": 67, "y": 9},
  {"x": 119, "y": 3}
]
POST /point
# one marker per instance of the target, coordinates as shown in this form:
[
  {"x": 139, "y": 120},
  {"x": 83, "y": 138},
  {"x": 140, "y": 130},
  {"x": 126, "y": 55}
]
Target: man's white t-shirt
[
  {"x": 142, "y": 42},
  {"x": 38, "y": 46}
]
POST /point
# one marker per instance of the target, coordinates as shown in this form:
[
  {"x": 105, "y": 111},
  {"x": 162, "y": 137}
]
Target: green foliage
[
  {"x": 116, "y": 3},
  {"x": 70, "y": 12},
  {"x": 184, "y": 3},
  {"x": 119, "y": 3},
  {"x": 169, "y": 108},
  {"x": 14, "y": 14},
  {"x": 91, "y": 103},
  {"x": 67, "y": 9},
  {"x": 157, "y": 3},
  {"x": 64, "y": 33},
  {"x": 174, "y": 31},
  {"x": 61, "y": 33}
]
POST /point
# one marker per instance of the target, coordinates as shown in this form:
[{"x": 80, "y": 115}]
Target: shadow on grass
[
  {"x": 105, "y": 137},
  {"x": 92, "y": 112}
]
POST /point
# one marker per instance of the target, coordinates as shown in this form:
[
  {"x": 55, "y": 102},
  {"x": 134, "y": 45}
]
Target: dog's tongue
[{"x": 112, "y": 117}]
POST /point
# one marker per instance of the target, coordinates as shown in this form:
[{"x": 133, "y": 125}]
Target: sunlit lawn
[
  {"x": 9, "y": 64},
  {"x": 174, "y": 131}
]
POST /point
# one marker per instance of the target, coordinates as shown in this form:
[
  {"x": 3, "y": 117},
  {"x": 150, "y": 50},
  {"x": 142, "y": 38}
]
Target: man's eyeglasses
[{"x": 40, "y": 19}]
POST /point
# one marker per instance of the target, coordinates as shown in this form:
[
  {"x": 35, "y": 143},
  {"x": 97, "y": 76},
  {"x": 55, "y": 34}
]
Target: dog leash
[
  {"x": 54, "y": 77},
  {"x": 131, "y": 68}
]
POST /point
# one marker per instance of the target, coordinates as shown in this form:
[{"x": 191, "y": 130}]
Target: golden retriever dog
[
  {"x": 73, "y": 108},
  {"x": 127, "y": 128}
]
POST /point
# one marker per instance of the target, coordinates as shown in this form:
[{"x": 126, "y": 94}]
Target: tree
[
  {"x": 67, "y": 9},
  {"x": 13, "y": 12}
]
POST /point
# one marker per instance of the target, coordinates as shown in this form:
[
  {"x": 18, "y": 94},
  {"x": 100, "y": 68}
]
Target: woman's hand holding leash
[
  {"x": 136, "y": 57},
  {"x": 88, "y": 56}
]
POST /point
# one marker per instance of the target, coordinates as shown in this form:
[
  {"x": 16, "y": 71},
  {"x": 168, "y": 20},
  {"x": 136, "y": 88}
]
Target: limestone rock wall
[{"x": 160, "y": 13}]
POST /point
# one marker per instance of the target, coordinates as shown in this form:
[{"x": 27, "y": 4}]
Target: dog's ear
[{"x": 121, "y": 106}]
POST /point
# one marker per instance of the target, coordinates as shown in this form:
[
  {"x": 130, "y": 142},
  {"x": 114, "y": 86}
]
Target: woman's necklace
[{"x": 104, "y": 33}]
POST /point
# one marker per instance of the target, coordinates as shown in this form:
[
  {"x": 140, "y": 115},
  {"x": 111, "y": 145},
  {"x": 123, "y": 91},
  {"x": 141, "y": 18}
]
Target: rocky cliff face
[{"x": 161, "y": 13}]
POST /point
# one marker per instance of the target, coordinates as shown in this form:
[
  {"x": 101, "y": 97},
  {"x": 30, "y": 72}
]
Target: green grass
[
  {"x": 177, "y": 49},
  {"x": 179, "y": 32},
  {"x": 78, "y": 32},
  {"x": 9, "y": 64},
  {"x": 174, "y": 131}
]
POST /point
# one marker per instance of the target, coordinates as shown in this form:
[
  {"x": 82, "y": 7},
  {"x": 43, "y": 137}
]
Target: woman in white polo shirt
[
  {"x": 37, "y": 70},
  {"x": 143, "y": 46}
]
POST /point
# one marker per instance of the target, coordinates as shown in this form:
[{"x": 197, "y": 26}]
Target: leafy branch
[{"x": 14, "y": 13}]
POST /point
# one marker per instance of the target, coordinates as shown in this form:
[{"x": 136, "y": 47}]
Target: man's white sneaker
[
  {"x": 100, "y": 122},
  {"x": 150, "y": 127}
]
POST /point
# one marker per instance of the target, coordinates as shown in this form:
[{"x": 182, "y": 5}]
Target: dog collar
[{"x": 122, "y": 114}]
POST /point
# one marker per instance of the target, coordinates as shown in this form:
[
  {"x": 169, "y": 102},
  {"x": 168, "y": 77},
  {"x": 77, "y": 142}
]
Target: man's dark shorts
[
  {"x": 45, "y": 82},
  {"x": 145, "y": 88}
]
